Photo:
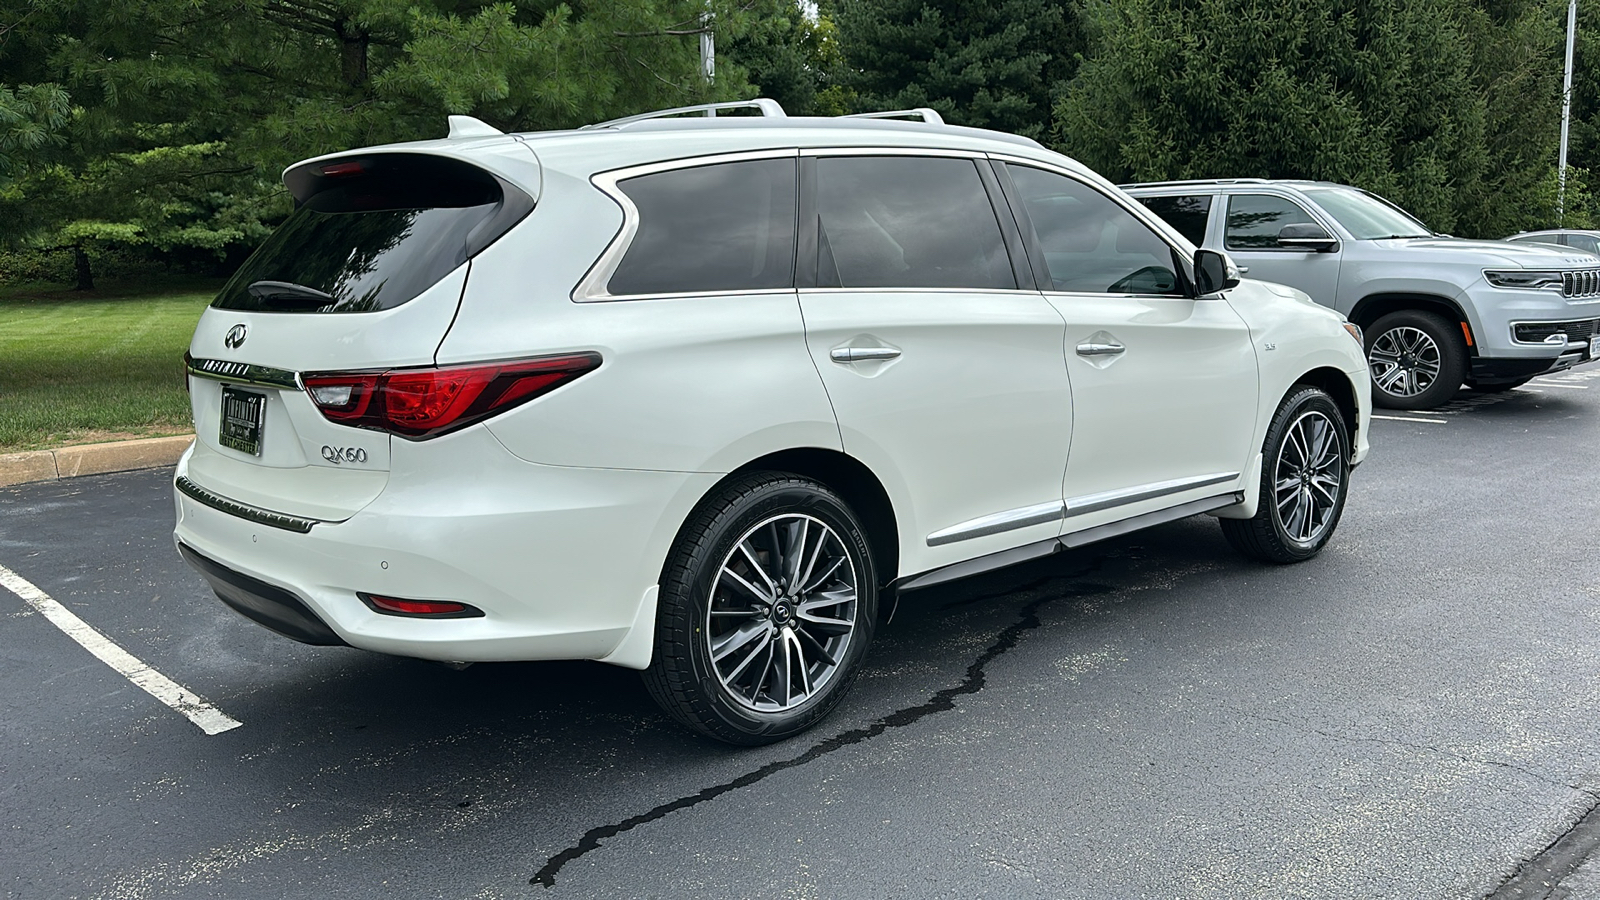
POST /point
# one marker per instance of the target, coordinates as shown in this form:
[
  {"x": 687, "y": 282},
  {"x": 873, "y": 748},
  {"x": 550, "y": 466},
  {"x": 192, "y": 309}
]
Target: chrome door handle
[
  {"x": 860, "y": 354},
  {"x": 1097, "y": 348},
  {"x": 1243, "y": 270}
]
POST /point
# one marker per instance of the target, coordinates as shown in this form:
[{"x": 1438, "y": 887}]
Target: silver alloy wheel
[
  {"x": 1306, "y": 479},
  {"x": 782, "y": 612},
  {"x": 1405, "y": 361}
]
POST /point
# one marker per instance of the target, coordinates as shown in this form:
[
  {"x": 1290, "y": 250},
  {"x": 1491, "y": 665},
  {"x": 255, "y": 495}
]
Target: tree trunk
[
  {"x": 353, "y": 41},
  {"x": 80, "y": 261}
]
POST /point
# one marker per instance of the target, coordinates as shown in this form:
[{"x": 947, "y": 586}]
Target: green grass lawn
[{"x": 95, "y": 366}]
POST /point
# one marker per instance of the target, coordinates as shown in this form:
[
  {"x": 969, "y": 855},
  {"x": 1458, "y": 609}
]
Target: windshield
[{"x": 1367, "y": 217}]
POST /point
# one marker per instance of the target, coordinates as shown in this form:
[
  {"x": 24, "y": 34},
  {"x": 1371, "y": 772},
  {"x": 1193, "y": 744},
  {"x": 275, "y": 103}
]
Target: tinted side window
[
  {"x": 1187, "y": 214},
  {"x": 1254, "y": 220},
  {"x": 723, "y": 227},
  {"x": 1090, "y": 243},
  {"x": 907, "y": 221}
]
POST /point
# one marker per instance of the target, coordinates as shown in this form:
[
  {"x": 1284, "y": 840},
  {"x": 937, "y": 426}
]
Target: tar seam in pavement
[{"x": 1028, "y": 619}]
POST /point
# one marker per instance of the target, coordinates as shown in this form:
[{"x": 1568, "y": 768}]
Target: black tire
[
  {"x": 1440, "y": 368},
  {"x": 1499, "y": 387},
  {"x": 766, "y": 512},
  {"x": 1273, "y": 535}
]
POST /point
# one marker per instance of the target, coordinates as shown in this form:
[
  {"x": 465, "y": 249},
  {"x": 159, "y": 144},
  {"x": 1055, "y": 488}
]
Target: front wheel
[
  {"x": 1418, "y": 360},
  {"x": 765, "y": 610},
  {"x": 1305, "y": 474}
]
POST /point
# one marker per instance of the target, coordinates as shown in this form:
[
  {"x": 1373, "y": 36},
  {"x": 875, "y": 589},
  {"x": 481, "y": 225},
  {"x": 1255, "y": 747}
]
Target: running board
[{"x": 1040, "y": 549}]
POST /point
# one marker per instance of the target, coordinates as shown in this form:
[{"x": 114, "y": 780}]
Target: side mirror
[
  {"x": 1307, "y": 236},
  {"x": 1214, "y": 272}
]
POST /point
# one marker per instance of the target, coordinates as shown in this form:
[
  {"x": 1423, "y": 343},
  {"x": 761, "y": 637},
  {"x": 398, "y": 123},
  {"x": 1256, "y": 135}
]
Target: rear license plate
[{"x": 241, "y": 420}]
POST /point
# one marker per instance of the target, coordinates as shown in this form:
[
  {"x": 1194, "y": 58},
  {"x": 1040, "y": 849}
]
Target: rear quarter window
[{"x": 714, "y": 228}]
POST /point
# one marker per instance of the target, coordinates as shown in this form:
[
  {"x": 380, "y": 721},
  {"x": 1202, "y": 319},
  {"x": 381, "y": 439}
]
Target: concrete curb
[{"x": 91, "y": 459}]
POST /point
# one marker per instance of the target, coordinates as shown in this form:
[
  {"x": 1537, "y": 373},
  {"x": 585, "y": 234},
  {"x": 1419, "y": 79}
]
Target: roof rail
[
  {"x": 769, "y": 109},
  {"x": 930, "y": 116}
]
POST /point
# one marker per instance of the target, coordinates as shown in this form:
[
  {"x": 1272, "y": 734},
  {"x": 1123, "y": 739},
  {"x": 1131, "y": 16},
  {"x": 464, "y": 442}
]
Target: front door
[
  {"x": 1250, "y": 237},
  {"x": 1164, "y": 386}
]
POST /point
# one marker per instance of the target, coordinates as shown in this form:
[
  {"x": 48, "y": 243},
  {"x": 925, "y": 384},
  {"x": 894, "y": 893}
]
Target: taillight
[
  {"x": 432, "y": 609},
  {"x": 425, "y": 403}
]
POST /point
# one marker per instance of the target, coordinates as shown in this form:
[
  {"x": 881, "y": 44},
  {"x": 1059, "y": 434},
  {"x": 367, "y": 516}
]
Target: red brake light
[
  {"x": 345, "y": 168},
  {"x": 425, "y": 403},
  {"x": 438, "y": 609}
]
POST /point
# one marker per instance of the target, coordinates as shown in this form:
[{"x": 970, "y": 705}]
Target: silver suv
[{"x": 1437, "y": 311}]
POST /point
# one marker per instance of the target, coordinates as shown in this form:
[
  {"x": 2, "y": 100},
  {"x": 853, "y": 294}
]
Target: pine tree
[{"x": 989, "y": 65}]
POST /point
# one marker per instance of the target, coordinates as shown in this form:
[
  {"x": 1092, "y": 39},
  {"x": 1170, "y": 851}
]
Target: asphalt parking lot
[{"x": 1411, "y": 715}]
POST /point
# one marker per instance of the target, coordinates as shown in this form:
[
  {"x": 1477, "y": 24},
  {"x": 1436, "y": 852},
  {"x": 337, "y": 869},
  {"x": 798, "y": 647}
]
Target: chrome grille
[
  {"x": 1578, "y": 331},
  {"x": 1583, "y": 283}
]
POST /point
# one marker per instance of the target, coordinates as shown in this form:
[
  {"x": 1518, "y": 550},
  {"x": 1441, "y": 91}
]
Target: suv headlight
[{"x": 1523, "y": 279}]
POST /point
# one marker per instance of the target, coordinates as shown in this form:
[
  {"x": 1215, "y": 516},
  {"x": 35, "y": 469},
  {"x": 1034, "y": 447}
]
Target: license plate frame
[{"x": 243, "y": 413}]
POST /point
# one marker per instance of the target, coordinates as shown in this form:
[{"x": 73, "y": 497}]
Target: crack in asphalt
[
  {"x": 1538, "y": 877},
  {"x": 942, "y": 701}
]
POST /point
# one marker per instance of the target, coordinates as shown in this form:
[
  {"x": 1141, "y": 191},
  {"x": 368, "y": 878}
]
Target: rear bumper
[
  {"x": 266, "y": 605},
  {"x": 559, "y": 559}
]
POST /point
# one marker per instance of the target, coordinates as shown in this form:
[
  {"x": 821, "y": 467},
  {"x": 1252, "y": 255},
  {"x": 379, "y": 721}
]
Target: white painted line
[
  {"x": 1411, "y": 419},
  {"x": 210, "y": 719},
  {"x": 1570, "y": 387}
]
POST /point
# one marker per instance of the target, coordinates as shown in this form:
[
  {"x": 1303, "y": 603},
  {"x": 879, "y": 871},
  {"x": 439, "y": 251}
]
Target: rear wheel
[
  {"x": 1418, "y": 360},
  {"x": 1305, "y": 474},
  {"x": 766, "y": 607}
]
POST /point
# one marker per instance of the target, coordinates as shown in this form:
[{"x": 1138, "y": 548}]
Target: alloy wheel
[
  {"x": 782, "y": 612},
  {"x": 1405, "y": 361},
  {"x": 1307, "y": 478}
]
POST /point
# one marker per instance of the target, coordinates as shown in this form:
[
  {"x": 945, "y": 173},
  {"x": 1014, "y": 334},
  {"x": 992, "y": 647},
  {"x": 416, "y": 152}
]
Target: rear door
[
  {"x": 366, "y": 274},
  {"x": 946, "y": 375}
]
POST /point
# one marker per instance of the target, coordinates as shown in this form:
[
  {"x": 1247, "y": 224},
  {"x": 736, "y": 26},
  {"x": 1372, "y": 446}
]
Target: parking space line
[
  {"x": 210, "y": 719},
  {"x": 1411, "y": 419},
  {"x": 1570, "y": 387}
]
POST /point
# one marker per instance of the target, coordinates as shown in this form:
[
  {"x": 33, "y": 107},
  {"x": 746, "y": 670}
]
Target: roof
[{"x": 1222, "y": 182}]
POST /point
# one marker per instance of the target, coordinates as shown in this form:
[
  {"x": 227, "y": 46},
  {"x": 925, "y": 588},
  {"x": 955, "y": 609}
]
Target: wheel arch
[
  {"x": 1374, "y": 307},
  {"x": 1337, "y": 385},
  {"x": 852, "y": 481}
]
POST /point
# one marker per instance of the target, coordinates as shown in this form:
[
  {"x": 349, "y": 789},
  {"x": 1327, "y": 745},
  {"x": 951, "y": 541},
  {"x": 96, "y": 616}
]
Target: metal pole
[
  {"x": 1566, "y": 115},
  {"x": 708, "y": 47}
]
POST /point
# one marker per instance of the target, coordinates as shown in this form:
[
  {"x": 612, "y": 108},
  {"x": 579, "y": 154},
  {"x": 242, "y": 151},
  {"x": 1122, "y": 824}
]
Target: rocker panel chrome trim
[{"x": 1040, "y": 513}]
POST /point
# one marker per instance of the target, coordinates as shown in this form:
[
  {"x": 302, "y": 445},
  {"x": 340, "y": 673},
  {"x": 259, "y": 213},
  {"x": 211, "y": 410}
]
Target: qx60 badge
[
  {"x": 342, "y": 455},
  {"x": 235, "y": 337}
]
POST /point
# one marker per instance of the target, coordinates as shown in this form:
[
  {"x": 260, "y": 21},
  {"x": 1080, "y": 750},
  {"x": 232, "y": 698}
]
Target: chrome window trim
[
  {"x": 971, "y": 292},
  {"x": 251, "y": 513},
  {"x": 592, "y": 287},
  {"x": 820, "y": 152},
  {"x": 243, "y": 373},
  {"x": 1041, "y": 513}
]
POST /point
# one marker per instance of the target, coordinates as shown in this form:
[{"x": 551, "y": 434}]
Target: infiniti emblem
[{"x": 235, "y": 337}]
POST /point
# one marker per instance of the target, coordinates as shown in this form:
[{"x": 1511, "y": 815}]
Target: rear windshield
[{"x": 370, "y": 233}]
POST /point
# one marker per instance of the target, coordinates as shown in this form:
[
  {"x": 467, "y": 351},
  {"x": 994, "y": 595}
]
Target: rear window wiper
[{"x": 287, "y": 294}]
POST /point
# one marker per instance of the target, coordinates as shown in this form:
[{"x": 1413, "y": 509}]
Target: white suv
[{"x": 697, "y": 395}]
